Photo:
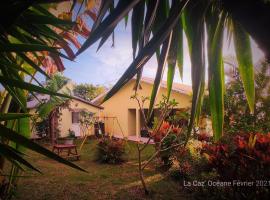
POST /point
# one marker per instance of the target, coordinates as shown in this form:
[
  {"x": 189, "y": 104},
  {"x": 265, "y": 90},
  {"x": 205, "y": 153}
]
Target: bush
[
  {"x": 243, "y": 157},
  {"x": 110, "y": 151},
  {"x": 42, "y": 128},
  {"x": 168, "y": 136}
]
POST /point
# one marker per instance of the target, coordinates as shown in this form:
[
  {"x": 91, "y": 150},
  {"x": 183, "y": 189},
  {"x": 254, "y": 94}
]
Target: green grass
[{"x": 102, "y": 182}]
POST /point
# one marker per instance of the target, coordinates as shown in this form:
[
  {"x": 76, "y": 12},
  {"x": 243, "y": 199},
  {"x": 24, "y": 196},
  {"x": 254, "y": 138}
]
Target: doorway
[
  {"x": 75, "y": 126},
  {"x": 132, "y": 122}
]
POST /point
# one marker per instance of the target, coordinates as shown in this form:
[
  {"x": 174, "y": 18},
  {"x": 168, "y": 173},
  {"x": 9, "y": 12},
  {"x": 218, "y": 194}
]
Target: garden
[{"x": 182, "y": 157}]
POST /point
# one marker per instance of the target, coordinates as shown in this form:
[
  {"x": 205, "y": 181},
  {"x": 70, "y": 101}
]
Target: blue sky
[{"x": 108, "y": 64}]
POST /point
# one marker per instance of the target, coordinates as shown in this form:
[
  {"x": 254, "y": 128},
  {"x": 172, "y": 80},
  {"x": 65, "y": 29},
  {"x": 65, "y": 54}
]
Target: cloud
[{"x": 108, "y": 64}]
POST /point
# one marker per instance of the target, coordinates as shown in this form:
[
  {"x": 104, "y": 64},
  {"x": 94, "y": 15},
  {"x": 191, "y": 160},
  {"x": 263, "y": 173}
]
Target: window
[{"x": 75, "y": 117}]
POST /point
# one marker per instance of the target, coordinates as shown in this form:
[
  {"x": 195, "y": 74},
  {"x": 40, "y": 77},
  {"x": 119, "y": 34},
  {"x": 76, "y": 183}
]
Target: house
[
  {"x": 123, "y": 113},
  {"x": 68, "y": 118}
]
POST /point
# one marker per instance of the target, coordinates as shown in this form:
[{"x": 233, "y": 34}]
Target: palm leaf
[
  {"x": 145, "y": 54},
  {"x": 152, "y": 6},
  {"x": 8, "y": 47},
  {"x": 137, "y": 25},
  {"x": 172, "y": 58},
  {"x": 11, "y": 116},
  {"x": 193, "y": 25},
  {"x": 245, "y": 64},
  {"x": 159, "y": 74},
  {"x": 106, "y": 26},
  {"x": 9, "y": 153},
  {"x": 29, "y": 87},
  {"x": 216, "y": 72},
  {"x": 21, "y": 140}
]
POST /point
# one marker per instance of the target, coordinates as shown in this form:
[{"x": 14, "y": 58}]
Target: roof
[
  {"x": 35, "y": 102},
  {"x": 87, "y": 102},
  {"x": 177, "y": 87}
]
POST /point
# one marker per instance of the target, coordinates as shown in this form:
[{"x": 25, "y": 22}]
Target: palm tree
[
  {"x": 158, "y": 26},
  {"x": 31, "y": 37}
]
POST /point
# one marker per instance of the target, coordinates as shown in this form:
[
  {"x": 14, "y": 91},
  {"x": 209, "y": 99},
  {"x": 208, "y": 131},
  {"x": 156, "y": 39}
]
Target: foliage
[
  {"x": 56, "y": 82},
  {"x": 235, "y": 100},
  {"x": 42, "y": 127},
  {"x": 88, "y": 91},
  {"x": 71, "y": 134},
  {"x": 33, "y": 40},
  {"x": 169, "y": 132},
  {"x": 166, "y": 136},
  {"x": 238, "y": 157},
  {"x": 157, "y": 27},
  {"x": 110, "y": 150}
]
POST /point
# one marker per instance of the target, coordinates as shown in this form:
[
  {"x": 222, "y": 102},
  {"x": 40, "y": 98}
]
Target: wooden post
[{"x": 138, "y": 127}]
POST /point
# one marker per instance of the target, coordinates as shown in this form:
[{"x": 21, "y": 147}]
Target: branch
[{"x": 150, "y": 159}]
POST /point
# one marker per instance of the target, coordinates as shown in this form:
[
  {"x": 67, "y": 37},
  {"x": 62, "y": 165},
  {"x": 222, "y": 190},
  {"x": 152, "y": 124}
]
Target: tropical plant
[
  {"x": 31, "y": 37},
  {"x": 56, "y": 82},
  {"x": 166, "y": 136},
  {"x": 242, "y": 120},
  {"x": 88, "y": 91},
  {"x": 110, "y": 150},
  {"x": 238, "y": 157},
  {"x": 42, "y": 127},
  {"x": 157, "y": 27}
]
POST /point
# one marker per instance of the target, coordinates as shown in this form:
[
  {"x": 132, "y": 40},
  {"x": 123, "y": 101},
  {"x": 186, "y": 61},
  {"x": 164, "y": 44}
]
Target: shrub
[
  {"x": 42, "y": 128},
  {"x": 244, "y": 157},
  {"x": 110, "y": 150},
  {"x": 166, "y": 136}
]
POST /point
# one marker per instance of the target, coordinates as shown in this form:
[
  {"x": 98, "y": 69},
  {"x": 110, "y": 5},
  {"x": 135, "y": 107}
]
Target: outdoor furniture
[{"x": 70, "y": 149}]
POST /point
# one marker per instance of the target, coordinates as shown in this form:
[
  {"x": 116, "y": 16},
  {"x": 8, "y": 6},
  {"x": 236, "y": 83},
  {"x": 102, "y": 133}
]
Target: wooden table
[{"x": 70, "y": 149}]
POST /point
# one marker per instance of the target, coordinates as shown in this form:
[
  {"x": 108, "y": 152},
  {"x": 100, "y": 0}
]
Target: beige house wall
[
  {"x": 65, "y": 120},
  {"x": 126, "y": 110}
]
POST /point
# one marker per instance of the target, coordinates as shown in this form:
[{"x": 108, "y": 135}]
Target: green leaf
[
  {"x": 170, "y": 76},
  {"x": 32, "y": 64},
  {"x": 145, "y": 33},
  {"x": 150, "y": 48},
  {"x": 11, "y": 116},
  {"x": 215, "y": 27},
  {"x": 23, "y": 127},
  {"x": 180, "y": 53},
  {"x": 19, "y": 139},
  {"x": 8, "y": 152},
  {"x": 126, "y": 20},
  {"x": 193, "y": 25},
  {"x": 137, "y": 25},
  {"x": 29, "y": 87},
  {"x": 161, "y": 15},
  {"x": 7, "y": 47},
  {"x": 172, "y": 58},
  {"x": 122, "y": 8},
  {"x": 245, "y": 64},
  {"x": 150, "y": 16},
  {"x": 159, "y": 74},
  {"x": 43, "y": 19}
]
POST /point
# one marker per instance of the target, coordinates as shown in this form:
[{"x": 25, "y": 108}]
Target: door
[{"x": 75, "y": 126}]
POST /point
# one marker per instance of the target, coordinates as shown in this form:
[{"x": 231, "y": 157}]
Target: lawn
[{"x": 102, "y": 182}]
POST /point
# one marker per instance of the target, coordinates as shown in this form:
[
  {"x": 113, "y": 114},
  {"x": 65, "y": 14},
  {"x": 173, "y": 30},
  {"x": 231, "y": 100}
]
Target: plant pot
[{"x": 69, "y": 141}]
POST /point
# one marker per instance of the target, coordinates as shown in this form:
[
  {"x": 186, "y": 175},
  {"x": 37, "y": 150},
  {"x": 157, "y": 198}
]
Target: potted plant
[{"x": 70, "y": 138}]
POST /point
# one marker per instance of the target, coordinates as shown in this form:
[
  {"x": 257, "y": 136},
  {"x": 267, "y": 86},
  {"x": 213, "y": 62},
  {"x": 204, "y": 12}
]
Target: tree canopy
[{"x": 88, "y": 91}]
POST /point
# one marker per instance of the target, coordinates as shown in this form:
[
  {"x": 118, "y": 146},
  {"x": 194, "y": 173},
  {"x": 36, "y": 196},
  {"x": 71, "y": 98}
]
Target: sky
[{"x": 107, "y": 65}]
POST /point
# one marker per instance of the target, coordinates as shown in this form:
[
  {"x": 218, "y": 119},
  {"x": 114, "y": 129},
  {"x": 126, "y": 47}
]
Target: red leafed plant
[{"x": 244, "y": 156}]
